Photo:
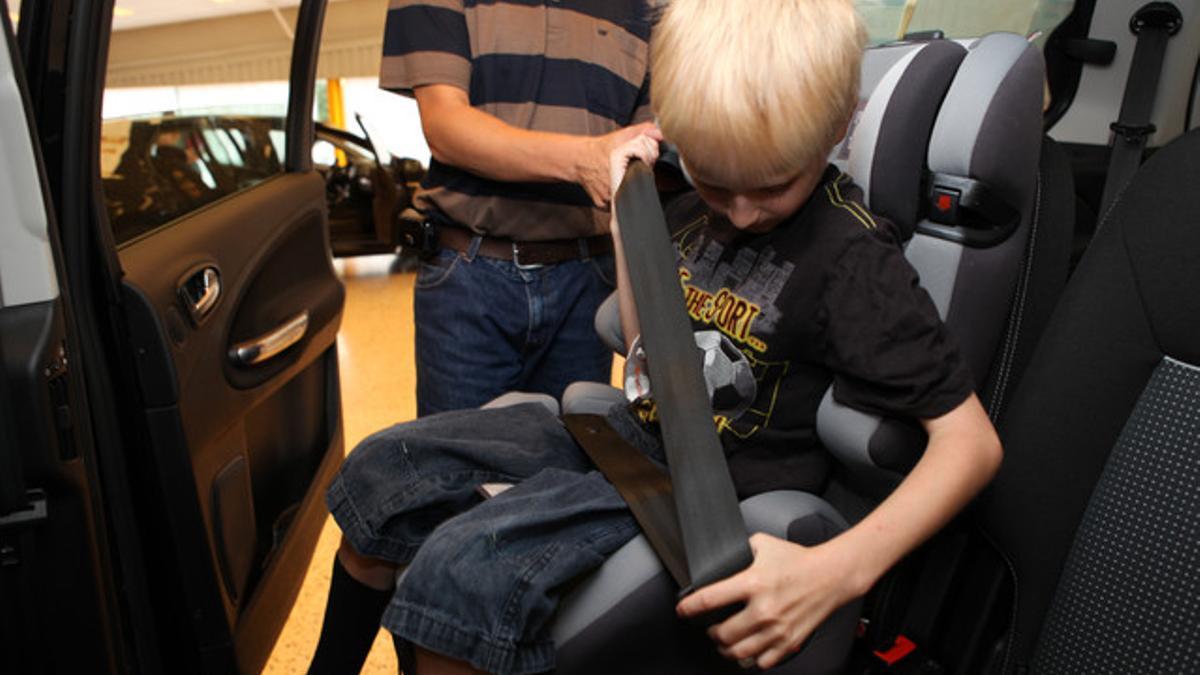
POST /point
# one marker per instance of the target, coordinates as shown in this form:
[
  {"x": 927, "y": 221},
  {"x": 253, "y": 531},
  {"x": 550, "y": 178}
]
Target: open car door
[{"x": 208, "y": 340}]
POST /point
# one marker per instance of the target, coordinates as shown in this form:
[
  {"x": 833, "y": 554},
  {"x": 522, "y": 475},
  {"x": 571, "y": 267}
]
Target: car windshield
[{"x": 888, "y": 20}]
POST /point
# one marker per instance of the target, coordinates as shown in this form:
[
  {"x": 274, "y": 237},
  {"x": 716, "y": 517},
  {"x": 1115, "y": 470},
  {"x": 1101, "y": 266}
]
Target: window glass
[
  {"x": 194, "y": 109},
  {"x": 887, "y": 20},
  {"x": 157, "y": 169}
]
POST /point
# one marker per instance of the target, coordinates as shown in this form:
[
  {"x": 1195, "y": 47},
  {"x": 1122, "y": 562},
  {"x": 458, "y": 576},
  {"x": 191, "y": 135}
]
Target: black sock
[
  {"x": 405, "y": 658},
  {"x": 351, "y": 622}
]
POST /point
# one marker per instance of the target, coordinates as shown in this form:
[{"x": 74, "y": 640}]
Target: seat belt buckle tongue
[{"x": 901, "y": 648}]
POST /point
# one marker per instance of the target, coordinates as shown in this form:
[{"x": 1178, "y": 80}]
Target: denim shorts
[
  {"x": 483, "y": 577},
  {"x": 486, "y": 326}
]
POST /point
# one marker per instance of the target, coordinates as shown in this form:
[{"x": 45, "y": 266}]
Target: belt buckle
[{"x": 517, "y": 260}]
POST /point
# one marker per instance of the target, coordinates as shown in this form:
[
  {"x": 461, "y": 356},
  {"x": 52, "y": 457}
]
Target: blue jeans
[
  {"x": 486, "y": 326},
  {"x": 483, "y": 577}
]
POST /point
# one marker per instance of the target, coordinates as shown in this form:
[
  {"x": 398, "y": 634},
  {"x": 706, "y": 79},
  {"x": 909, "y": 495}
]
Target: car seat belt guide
[{"x": 1153, "y": 24}]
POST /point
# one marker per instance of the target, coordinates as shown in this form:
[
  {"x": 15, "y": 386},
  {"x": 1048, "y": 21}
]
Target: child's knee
[{"x": 374, "y": 572}]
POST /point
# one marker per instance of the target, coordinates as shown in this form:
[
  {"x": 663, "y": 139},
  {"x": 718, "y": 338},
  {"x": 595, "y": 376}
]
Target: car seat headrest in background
[
  {"x": 607, "y": 323},
  {"x": 990, "y": 125},
  {"x": 886, "y": 145},
  {"x": 986, "y": 141},
  {"x": 987, "y": 131}
]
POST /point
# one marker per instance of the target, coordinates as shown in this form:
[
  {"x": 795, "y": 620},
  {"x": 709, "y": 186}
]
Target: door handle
[
  {"x": 257, "y": 350},
  {"x": 200, "y": 293}
]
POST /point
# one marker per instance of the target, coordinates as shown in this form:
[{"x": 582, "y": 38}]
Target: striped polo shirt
[{"x": 568, "y": 66}]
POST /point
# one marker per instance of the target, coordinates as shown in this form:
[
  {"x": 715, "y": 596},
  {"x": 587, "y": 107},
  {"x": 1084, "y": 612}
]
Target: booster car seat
[{"x": 940, "y": 121}]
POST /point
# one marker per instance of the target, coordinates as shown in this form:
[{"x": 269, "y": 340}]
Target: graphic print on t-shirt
[
  {"x": 737, "y": 297},
  {"x": 766, "y": 374}
]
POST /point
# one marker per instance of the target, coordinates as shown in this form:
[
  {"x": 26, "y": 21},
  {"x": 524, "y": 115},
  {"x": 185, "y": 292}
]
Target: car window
[
  {"x": 887, "y": 20},
  {"x": 179, "y": 133}
]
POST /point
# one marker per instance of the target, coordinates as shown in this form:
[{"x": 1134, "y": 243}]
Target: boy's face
[{"x": 759, "y": 209}]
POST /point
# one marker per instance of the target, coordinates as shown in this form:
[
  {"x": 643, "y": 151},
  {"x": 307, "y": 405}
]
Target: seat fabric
[
  {"x": 1095, "y": 506},
  {"x": 988, "y": 128}
]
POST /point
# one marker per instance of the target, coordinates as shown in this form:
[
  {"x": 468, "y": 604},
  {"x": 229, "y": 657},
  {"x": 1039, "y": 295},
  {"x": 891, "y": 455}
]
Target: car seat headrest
[
  {"x": 983, "y": 152},
  {"x": 886, "y": 145}
]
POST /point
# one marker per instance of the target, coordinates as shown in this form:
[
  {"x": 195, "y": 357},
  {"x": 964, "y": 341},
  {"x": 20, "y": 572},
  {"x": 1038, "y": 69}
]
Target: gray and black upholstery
[
  {"x": 1097, "y": 506},
  {"x": 1042, "y": 279},
  {"x": 973, "y": 112},
  {"x": 987, "y": 129}
]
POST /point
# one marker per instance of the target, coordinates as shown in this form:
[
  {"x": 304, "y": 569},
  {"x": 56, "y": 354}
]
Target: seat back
[
  {"x": 885, "y": 150},
  {"x": 630, "y": 595},
  {"x": 1096, "y": 506},
  {"x": 970, "y": 220}
]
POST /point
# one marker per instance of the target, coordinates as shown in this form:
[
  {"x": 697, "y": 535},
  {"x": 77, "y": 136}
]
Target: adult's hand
[
  {"x": 643, "y": 146},
  {"x": 596, "y": 165}
]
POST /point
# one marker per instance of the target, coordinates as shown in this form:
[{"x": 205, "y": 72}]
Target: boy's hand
[
  {"x": 644, "y": 146},
  {"x": 590, "y": 172},
  {"x": 788, "y": 590}
]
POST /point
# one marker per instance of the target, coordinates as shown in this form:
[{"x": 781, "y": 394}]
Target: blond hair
[{"x": 752, "y": 91}]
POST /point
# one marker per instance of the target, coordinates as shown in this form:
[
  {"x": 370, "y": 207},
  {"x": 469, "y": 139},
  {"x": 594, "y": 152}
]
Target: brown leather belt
[{"x": 526, "y": 252}]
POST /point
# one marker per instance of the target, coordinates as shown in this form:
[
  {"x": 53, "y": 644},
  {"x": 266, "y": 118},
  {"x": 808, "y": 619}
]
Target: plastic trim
[{"x": 27, "y": 272}]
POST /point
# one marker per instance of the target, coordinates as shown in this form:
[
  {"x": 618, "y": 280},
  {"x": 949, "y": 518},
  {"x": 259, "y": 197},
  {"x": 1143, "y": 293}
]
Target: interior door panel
[{"x": 242, "y": 452}]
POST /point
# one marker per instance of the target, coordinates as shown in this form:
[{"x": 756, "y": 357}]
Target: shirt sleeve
[
  {"x": 887, "y": 347},
  {"x": 425, "y": 42}
]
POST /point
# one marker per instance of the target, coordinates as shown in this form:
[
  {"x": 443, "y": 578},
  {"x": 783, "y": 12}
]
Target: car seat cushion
[{"x": 1128, "y": 596}]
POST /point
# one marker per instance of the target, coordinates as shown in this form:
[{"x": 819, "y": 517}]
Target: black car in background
[{"x": 156, "y": 168}]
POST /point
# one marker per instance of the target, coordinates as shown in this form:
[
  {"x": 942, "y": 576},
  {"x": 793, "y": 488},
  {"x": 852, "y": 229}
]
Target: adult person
[{"x": 521, "y": 103}]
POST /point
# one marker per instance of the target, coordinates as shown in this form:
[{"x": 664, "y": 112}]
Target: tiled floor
[{"x": 375, "y": 352}]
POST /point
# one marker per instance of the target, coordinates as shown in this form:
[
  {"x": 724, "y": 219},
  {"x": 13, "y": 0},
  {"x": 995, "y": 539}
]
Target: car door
[
  {"x": 54, "y": 549},
  {"x": 215, "y": 321}
]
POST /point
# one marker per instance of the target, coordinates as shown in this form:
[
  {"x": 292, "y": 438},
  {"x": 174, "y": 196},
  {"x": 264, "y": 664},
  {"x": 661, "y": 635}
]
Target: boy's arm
[
  {"x": 791, "y": 589},
  {"x": 645, "y": 148},
  {"x": 468, "y": 138}
]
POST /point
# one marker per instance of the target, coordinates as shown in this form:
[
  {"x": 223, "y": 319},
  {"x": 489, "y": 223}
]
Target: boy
[{"x": 825, "y": 295}]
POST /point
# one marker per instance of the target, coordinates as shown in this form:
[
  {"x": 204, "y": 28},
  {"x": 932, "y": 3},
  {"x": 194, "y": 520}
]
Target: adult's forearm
[
  {"x": 485, "y": 145},
  {"x": 473, "y": 140}
]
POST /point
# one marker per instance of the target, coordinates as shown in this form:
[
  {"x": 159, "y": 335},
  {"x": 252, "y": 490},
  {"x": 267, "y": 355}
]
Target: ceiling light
[{"x": 122, "y": 11}]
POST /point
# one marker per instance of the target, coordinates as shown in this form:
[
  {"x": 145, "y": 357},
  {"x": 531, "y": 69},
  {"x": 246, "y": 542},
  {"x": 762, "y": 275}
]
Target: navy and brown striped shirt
[{"x": 568, "y": 66}]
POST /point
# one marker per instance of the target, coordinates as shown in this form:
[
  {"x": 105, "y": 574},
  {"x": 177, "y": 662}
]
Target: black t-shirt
[{"x": 825, "y": 296}]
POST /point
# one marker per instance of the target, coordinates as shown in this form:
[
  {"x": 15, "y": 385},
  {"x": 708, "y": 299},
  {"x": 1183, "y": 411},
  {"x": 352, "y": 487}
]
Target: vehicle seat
[
  {"x": 987, "y": 127},
  {"x": 1095, "y": 509}
]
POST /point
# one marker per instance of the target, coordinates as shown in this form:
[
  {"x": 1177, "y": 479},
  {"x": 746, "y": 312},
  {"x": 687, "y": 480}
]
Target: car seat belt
[
  {"x": 644, "y": 486},
  {"x": 710, "y": 524},
  {"x": 1153, "y": 25}
]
